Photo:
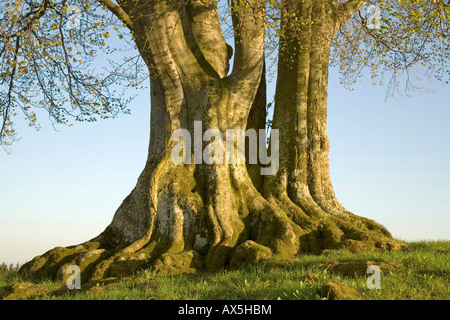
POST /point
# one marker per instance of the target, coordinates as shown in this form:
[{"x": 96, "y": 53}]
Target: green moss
[
  {"x": 273, "y": 229},
  {"x": 250, "y": 253},
  {"x": 356, "y": 268},
  {"x": 22, "y": 291},
  {"x": 217, "y": 257},
  {"x": 355, "y": 246},
  {"x": 277, "y": 263},
  {"x": 311, "y": 243},
  {"x": 338, "y": 290},
  {"x": 187, "y": 262},
  {"x": 332, "y": 236},
  {"x": 48, "y": 265}
]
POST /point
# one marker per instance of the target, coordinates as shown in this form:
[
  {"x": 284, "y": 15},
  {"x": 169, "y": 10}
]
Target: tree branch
[
  {"x": 249, "y": 34},
  {"x": 118, "y": 12},
  {"x": 352, "y": 6},
  {"x": 205, "y": 25}
]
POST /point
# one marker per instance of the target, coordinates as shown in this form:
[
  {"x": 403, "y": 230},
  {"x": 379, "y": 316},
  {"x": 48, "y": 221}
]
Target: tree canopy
[
  {"x": 49, "y": 51},
  {"x": 71, "y": 71}
]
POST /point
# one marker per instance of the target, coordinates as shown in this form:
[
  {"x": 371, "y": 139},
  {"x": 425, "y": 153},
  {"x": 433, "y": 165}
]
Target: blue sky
[{"x": 389, "y": 160}]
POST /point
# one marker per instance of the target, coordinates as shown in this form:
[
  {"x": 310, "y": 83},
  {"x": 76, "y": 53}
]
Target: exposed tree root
[{"x": 232, "y": 225}]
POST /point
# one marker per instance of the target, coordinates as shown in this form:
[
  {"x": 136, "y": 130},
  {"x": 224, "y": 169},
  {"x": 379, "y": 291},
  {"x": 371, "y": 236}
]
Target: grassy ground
[{"x": 420, "y": 272}]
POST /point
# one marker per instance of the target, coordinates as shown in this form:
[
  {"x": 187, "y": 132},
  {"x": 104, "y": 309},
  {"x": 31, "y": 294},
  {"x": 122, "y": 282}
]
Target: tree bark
[
  {"x": 197, "y": 217},
  {"x": 304, "y": 182}
]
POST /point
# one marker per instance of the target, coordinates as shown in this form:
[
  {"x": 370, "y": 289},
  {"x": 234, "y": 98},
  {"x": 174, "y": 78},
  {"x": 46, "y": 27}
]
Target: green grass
[{"x": 421, "y": 272}]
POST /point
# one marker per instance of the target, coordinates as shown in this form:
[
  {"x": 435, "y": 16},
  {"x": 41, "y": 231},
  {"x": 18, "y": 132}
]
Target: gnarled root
[{"x": 202, "y": 219}]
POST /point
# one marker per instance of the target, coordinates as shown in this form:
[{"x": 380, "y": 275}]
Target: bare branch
[{"x": 118, "y": 12}]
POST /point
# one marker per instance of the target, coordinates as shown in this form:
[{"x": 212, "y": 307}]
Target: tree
[{"x": 192, "y": 216}]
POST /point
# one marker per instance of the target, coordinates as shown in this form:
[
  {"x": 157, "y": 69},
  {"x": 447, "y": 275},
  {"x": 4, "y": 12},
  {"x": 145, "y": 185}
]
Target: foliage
[
  {"x": 47, "y": 65},
  {"x": 412, "y": 44},
  {"x": 5, "y": 269},
  {"x": 44, "y": 65}
]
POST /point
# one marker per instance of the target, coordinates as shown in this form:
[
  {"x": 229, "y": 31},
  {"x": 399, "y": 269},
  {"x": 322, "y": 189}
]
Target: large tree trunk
[
  {"x": 303, "y": 185},
  {"x": 197, "y": 217}
]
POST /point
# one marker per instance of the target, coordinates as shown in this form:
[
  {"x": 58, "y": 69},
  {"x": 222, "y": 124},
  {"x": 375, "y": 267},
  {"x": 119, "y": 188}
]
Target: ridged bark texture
[{"x": 197, "y": 217}]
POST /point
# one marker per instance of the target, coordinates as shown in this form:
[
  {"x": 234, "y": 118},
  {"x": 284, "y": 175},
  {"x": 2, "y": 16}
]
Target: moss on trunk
[{"x": 192, "y": 218}]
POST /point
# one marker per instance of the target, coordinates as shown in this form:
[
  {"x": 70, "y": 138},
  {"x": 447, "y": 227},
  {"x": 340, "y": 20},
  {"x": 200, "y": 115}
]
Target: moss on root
[
  {"x": 249, "y": 253},
  {"x": 98, "y": 260},
  {"x": 100, "y": 263},
  {"x": 338, "y": 290},
  {"x": 188, "y": 262},
  {"x": 356, "y": 268},
  {"x": 192, "y": 234}
]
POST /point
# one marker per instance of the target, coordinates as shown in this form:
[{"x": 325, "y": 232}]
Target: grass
[{"x": 422, "y": 272}]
